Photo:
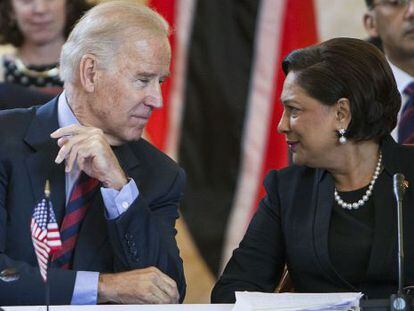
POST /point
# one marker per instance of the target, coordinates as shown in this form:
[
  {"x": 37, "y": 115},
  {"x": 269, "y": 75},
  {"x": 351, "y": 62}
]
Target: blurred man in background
[{"x": 391, "y": 23}]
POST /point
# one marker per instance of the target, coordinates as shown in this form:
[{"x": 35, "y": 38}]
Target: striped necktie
[
  {"x": 79, "y": 201},
  {"x": 406, "y": 125}
]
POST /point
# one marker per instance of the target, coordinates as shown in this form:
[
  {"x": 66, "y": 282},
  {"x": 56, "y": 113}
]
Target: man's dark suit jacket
[
  {"x": 291, "y": 226},
  {"x": 143, "y": 236}
]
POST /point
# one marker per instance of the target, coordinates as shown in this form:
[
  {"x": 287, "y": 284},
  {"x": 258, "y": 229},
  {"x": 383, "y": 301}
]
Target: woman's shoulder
[
  {"x": 283, "y": 186},
  {"x": 402, "y": 159},
  {"x": 395, "y": 154},
  {"x": 407, "y": 149},
  {"x": 291, "y": 172},
  {"x": 285, "y": 181}
]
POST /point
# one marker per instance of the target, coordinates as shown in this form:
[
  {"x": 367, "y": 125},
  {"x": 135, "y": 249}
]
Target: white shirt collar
[
  {"x": 66, "y": 117},
  {"x": 65, "y": 114}
]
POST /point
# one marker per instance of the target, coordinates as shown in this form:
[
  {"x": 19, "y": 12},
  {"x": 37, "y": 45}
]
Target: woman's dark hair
[
  {"x": 10, "y": 33},
  {"x": 352, "y": 69}
]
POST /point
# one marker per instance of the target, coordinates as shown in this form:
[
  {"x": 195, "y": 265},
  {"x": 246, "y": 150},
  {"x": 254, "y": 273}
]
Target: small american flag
[{"x": 45, "y": 235}]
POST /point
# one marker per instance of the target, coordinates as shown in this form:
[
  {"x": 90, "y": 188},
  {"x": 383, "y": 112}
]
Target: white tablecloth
[{"x": 183, "y": 307}]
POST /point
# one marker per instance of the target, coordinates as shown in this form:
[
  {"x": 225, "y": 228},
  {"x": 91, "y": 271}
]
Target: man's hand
[
  {"x": 89, "y": 147},
  {"x": 140, "y": 286}
]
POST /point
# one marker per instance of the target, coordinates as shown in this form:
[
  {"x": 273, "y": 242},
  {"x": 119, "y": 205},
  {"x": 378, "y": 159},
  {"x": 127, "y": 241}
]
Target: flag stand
[
  {"x": 47, "y": 196},
  {"x": 45, "y": 236},
  {"x": 47, "y": 295}
]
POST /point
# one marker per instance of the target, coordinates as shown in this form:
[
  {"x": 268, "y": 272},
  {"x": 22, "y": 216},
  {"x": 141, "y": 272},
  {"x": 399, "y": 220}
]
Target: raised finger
[
  {"x": 62, "y": 140},
  {"x": 67, "y": 131},
  {"x": 70, "y": 160},
  {"x": 67, "y": 147}
]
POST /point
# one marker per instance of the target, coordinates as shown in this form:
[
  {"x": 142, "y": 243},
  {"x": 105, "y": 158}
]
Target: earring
[{"x": 342, "y": 139}]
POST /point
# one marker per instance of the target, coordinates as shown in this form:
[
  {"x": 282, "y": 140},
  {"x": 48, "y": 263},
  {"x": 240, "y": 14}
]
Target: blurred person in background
[
  {"x": 390, "y": 25},
  {"x": 331, "y": 217},
  {"x": 37, "y": 30}
]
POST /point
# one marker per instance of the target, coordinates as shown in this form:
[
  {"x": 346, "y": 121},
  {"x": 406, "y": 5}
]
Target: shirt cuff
[
  {"x": 85, "y": 291},
  {"x": 117, "y": 202}
]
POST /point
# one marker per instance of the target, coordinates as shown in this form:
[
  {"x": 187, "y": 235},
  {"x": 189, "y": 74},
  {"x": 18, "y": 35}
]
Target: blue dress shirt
[{"x": 116, "y": 203}]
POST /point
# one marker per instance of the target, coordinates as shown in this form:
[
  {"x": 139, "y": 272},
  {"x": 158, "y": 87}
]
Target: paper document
[{"x": 254, "y": 301}]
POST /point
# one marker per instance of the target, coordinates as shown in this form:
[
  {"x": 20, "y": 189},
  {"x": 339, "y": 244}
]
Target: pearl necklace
[{"x": 367, "y": 194}]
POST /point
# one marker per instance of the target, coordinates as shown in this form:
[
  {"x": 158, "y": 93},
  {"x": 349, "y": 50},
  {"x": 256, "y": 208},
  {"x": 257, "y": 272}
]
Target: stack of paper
[{"x": 253, "y": 301}]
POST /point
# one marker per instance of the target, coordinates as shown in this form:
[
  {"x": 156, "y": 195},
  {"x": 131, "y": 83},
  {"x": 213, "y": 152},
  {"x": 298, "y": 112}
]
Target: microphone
[
  {"x": 399, "y": 186},
  {"x": 400, "y": 301}
]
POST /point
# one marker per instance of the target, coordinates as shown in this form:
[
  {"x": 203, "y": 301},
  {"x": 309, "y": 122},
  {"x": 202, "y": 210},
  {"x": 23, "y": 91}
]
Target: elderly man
[
  {"x": 114, "y": 195},
  {"x": 392, "y": 21}
]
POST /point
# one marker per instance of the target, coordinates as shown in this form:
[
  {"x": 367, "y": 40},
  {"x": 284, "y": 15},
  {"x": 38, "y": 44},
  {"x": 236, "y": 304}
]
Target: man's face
[
  {"x": 393, "y": 22},
  {"x": 126, "y": 93}
]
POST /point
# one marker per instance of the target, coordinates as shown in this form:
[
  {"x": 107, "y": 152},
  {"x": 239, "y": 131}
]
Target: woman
[
  {"x": 37, "y": 29},
  {"x": 331, "y": 217}
]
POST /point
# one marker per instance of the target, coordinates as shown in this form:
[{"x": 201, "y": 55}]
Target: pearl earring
[{"x": 342, "y": 139}]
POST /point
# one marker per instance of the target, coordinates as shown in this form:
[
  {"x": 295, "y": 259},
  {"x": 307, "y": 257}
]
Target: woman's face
[
  {"x": 309, "y": 126},
  {"x": 40, "y": 21}
]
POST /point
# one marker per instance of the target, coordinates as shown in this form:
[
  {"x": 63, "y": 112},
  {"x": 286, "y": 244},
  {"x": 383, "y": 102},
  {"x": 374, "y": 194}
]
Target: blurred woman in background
[{"x": 37, "y": 30}]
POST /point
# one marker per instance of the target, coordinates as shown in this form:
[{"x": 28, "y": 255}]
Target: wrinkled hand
[
  {"x": 90, "y": 149},
  {"x": 140, "y": 286}
]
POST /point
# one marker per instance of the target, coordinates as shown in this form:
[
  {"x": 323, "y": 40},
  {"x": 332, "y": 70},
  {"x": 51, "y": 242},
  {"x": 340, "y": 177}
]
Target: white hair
[{"x": 103, "y": 29}]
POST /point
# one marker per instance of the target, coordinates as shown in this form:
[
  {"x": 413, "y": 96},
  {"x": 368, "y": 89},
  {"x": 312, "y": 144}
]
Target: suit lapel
[
  {"x": 40, "y": 164},
  {"x": 385, "y": 230},
  {"x": 93, "y": 233},
  {"x": 323, "y": 202}
]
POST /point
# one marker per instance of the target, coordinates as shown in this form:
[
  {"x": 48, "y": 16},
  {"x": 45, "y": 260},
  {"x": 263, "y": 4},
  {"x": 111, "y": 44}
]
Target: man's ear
[
  {"x": 343, "y": 112},
  {"x": 370, "y": 24},
  {"x": 88, "y": 72}
]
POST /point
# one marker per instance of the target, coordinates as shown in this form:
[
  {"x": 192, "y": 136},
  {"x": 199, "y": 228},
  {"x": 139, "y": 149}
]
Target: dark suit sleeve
[
  {"x": 145, "y": 234},
  {"x": 29, "y": 289},
  {"x": 257, "y": 264}
]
